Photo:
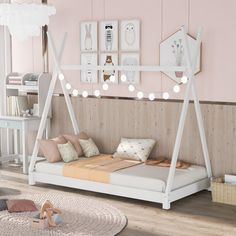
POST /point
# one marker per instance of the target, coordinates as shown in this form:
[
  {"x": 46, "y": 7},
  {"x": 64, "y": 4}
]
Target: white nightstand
[{"x": 24, "y": 125}]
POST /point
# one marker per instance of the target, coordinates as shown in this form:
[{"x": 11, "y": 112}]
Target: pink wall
[{"x": 159, "y": 18}]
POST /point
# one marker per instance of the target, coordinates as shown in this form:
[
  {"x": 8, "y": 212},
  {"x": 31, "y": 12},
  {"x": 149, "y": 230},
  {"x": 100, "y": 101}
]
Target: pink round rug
[{"x": 81, "y": 216}]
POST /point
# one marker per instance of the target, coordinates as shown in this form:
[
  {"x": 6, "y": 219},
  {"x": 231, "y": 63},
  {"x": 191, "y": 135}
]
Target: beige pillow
[
  {"x": 89, "y": 147},
  {"x": 49, "y": 148},
  {"x": 68, "y": 152},
  {"x": 135, "y": 149},
  {"x": 74, "y": 139}
]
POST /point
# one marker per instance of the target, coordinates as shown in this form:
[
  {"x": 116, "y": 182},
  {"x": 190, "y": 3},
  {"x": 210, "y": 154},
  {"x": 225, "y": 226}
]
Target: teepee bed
[
  {"x": 151, "y": 183},
  {"x": 140, "y": 182}
]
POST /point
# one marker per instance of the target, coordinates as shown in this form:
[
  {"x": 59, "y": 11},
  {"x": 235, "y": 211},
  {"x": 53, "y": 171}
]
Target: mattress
[
  {"x": 154, "y": 177},
  {"x": 142, "y": 176}
]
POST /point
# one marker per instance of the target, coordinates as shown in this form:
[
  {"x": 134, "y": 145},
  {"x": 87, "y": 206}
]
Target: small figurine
[{"x": 52, "y": 214}]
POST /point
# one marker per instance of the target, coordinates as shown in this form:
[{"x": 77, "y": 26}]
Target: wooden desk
[{"x": 24, "y": 125}]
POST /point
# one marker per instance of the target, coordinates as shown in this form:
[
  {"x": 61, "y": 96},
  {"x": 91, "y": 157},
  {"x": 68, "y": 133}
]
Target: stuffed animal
[{"x": 52, "y": 214}]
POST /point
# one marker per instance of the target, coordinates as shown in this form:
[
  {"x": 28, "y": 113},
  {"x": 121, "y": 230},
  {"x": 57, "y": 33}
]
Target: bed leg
[
  {"x": 166, "y": 205},
  {"x": 31, "y": 179}
]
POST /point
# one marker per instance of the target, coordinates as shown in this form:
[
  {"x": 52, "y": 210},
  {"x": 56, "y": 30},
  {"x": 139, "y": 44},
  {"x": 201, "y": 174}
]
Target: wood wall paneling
[{"x": 107, "y": 120}]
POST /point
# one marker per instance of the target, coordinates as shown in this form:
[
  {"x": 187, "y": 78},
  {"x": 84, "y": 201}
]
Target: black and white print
[
  {"x": 130, "y": 35},
  {"x": 130, "y": 59},
  {"x": 88, "y": 75},
  {"x": 88, "y": 39},
  {"x": 108, "y": 38}
]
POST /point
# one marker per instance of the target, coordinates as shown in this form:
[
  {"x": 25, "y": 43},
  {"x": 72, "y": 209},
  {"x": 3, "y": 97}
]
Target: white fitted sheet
[
  {"x": 140, "y": 176},
  {"x": 154, "y": 177}
]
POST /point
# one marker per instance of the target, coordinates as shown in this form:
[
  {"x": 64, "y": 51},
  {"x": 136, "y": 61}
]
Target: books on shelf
[
  {"x": 15, "y": 79},
  {"x": 16, "y": 105},
  {"x": 31, "y": 83},
  {"x": 29, "y": 79}
]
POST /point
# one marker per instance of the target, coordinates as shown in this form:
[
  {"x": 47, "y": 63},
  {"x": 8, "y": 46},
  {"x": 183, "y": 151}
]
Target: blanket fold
[
  {"x": 98, "y": 168},
  {"x": 164, "y": 162}
]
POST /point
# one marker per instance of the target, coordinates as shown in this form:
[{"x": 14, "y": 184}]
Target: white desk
[{"x": 24, "y": 125}]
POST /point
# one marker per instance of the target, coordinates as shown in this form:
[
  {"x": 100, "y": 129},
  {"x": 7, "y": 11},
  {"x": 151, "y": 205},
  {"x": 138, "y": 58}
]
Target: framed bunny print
[
  {"x": 88, "y": 36},
  {"x": 108, "y": 36},
  {"x": 130, "y": 35}
]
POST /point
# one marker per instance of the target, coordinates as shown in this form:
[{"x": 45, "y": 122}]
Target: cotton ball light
[
  {"x": 68, "y": 86},
  {"x": 105, "y": 86},
  {"x": 61, "y": 76},
  {"x": 131, "y": 88},
  {"x": 184, "y": 79},
  {"x": 75, "y": 92},
  {"x": 123, "y": 78},
  {"x": 85, "y": 94},
  {"x": 97, "y": 93},
  {"x": 165, "y": 95},
  {"x": 151, "y": 96},
  {"x": 112, "y": 78},
  {"x": 140, "y": 95},
  {"x": 176, "y": 88}
]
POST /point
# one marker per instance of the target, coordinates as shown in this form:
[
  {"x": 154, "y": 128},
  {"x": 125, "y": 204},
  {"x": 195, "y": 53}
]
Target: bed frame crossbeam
[
  {"x": 169, "y": 195},
  {"x": 125, "y": 68}
]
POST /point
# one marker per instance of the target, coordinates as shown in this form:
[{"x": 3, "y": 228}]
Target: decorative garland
[{"x": 140, "y": 94}]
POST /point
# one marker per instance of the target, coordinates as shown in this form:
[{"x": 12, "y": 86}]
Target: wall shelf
[
  {"x": 25, "y": 88},
  {"x": 41, "y": 89}
]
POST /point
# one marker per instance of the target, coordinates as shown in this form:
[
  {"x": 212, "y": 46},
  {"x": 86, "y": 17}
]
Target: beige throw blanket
[{"x": 96, "y": 168}]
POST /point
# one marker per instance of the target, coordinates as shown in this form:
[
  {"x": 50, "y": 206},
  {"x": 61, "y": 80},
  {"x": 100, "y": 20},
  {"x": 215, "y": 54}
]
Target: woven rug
[{"x": 81, "y": 216}]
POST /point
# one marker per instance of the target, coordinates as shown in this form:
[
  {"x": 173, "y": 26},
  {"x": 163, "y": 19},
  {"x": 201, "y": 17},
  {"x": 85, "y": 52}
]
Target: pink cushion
[
  {"x": 20, "y": 205},
  {"x": 50, "y": 150},
  {"x": 74, "y": 139}
]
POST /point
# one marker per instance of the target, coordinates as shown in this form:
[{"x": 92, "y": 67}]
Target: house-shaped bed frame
[{"x": 160, "y": 197}]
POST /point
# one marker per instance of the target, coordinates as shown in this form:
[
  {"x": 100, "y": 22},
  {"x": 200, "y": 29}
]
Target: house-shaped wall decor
[{"x": 172, "y": 54}]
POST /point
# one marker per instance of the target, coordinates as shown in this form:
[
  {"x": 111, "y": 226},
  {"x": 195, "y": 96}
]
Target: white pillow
[
  {"x": 68, "y": 152},
  {"x": 135, "y": 149},
  {"x": 89, "y": 147}
]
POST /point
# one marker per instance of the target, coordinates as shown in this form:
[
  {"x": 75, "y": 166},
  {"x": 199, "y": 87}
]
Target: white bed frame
[{"x": 159, "y": 197}]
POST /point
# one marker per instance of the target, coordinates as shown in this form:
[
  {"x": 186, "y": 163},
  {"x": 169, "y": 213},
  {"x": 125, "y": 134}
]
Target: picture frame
[
  {"x": 130, "y": 59},
  {"x": 172, "y": 54},
  {"x": 88, "y": 36},
  {"x": 109, "y": 59},
  {"x": 89, "y": 76},
  {"x": 108, "y": 36},
  {"x": 130, "y": 35}
]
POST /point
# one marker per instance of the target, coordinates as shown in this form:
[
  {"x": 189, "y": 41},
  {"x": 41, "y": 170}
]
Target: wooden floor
[{"x": 194, "y": 215}]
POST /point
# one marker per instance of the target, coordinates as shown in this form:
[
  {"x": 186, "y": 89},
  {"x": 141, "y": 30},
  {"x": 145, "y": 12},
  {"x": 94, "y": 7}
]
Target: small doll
[{"x": 49, "y": 212}]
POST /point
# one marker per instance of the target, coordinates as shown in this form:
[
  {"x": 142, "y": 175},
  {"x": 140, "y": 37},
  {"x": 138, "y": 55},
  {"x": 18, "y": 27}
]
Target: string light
[
  {"x": 105, "y": 87},
  {"x": 176, "y": 88},
  {"x": 140, "y": 95},
  {"x": 112, "y": 78},
  {"x": 68, "y": 86},
  {"x": 151, "y": 96},
  {"x": 75, "y": 92},
  {"x": 123, "y": 78},
  {"x": 97, "y": 93},
  {"x": 165, "y": 95},
  {"x": 184, "y": 79},
  {"x": 131, "y": 88},
  {"x": 61, "y": 76},
  {"x": 85, "y": 94}
]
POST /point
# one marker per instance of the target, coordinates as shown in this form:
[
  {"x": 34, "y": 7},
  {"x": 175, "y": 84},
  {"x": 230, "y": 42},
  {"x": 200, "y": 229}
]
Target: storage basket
[{"x": 223, "y": 192}]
